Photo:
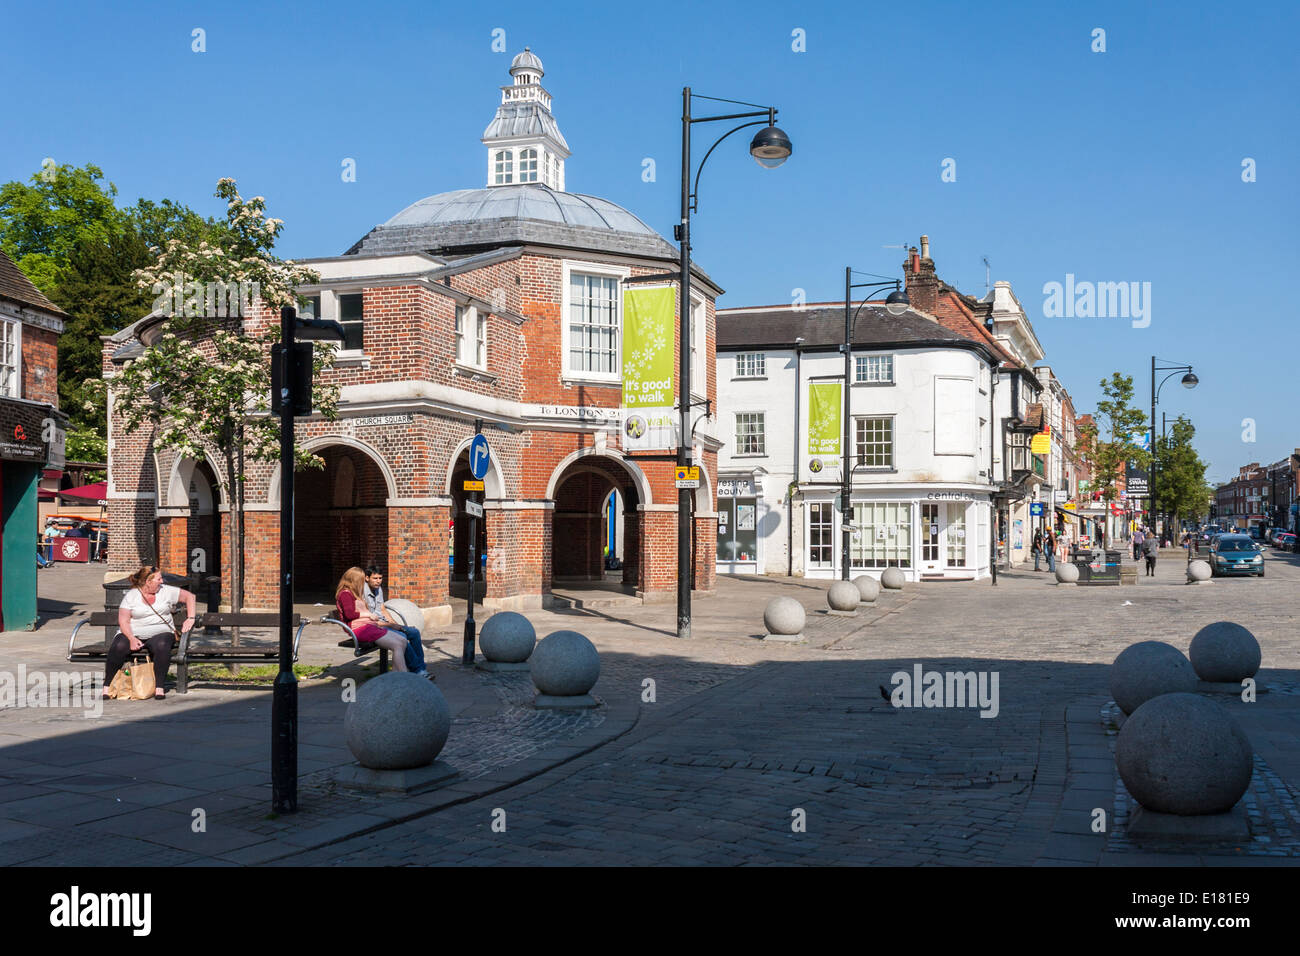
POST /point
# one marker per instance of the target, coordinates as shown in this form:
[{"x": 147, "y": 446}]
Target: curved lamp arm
[
  {"x": 1184, "y": 369},
  {"x": 695, "y": 190}
]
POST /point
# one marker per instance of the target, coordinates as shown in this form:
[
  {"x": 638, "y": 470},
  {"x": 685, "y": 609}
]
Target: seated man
[{"x": 374, "y": 595}]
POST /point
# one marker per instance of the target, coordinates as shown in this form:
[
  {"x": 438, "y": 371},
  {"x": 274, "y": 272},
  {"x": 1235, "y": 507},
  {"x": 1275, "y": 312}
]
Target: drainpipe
[{"x": 993, "y": 503}]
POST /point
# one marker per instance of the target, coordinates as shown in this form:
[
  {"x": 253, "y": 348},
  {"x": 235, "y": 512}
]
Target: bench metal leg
[
  {"x": 182, "y": 678},
  {"x": 383, "y": 660}
]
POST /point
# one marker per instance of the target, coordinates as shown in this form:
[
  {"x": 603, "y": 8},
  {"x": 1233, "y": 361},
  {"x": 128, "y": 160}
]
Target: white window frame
[
  {"x": 332, "y": 308},
  {"x": 472, "y": 337},
  {"x": 699, "y": 345},
  {"x": 893, "y": 442},
  {"x": 762, "y": 433},
  {"x": 15, "y": 388},
  {"x": 570, "y": 374},
  {"x": 503, "y": 165},
  {"x": 760, "y": 365},
  {"x": 529, "y": 166},
  {"x": 857, "y": 377}
]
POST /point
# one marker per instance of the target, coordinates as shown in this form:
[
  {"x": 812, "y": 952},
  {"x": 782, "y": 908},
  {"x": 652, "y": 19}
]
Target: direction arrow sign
[{"x": 479, "y": 456}]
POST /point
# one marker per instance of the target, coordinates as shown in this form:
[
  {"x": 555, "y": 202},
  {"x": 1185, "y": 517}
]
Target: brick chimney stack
[{"x": 922, "y": 284}]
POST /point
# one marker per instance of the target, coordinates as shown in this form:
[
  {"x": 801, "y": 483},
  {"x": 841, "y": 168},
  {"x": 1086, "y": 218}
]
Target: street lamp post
[
  {"x": 770, "y": 147},
  {"x": 896, "y": 304},
  {"x": 292, "y": 395},
  {"x": 1189, "y": 380}
]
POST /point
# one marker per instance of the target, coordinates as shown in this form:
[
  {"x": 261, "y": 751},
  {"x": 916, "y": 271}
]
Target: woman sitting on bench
[
  {"x": 351, "y": 607},
  {"x": 145, "y": 620}
]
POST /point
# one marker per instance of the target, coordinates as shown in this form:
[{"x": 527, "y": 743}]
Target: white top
[{"x": 144, "y": 622}]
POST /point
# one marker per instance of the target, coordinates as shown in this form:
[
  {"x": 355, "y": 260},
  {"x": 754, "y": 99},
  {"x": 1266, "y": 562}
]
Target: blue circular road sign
[{"x": 479, "y": 456}]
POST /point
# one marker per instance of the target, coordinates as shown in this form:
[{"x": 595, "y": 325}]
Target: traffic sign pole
[{"x": 479, "y": 456}]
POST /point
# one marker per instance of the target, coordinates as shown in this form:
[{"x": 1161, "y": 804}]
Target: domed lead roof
[
  {"x": 526, "y": 201},
  {"x": 503, "y": 215}
]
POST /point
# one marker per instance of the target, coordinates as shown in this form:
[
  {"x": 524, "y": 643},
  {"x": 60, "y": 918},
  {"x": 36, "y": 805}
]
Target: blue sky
[{"x": 1122, "y": 166}]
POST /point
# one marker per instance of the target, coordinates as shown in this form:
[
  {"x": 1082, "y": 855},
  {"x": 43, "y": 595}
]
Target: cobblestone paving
[
  {"x": 720, "y": 777},
  {"x": 1272, "y": 807}
]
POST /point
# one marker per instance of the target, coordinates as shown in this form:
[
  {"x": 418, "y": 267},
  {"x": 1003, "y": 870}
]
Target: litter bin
[{"x": 114, "y": 591}]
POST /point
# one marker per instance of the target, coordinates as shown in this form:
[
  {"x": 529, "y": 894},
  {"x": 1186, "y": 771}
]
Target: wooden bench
[
  {"x": 359, "y": 648},
  {"x": 193, "y": 648}
]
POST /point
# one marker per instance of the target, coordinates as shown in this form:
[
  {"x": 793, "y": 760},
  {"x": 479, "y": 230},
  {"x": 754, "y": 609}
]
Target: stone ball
[
  {"x": 507, "y": 638},
  {"x": 1199, "y": 571},
  {"x": 843, "y": 596},
  {"x": 868, "y": 587},
  {"x": 893, "y": 579},
  {"x": 1184, "y": 754},
  {"x": 397, "y": 722},
  {"x": 565, "y": 664},
  {"x": 784, "y": 615},
  {"x": 1149, "y": 669},
  {"x": 1224, "y": 652},
  {"x": 407, "y": 612},
  {"x": 1067, "y": 573}
]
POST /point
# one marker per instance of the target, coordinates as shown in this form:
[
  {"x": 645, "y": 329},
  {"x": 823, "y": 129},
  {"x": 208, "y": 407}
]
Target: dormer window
[
  {"x": 504, "y": 167},
  {"x": 528, "y": 166}
]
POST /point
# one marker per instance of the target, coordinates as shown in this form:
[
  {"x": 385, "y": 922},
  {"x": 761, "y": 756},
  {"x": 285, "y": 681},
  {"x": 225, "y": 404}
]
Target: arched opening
[
  {"x": 581, "y": 524},
  {"x": 458, "y": 559},
  {"x": 340, "y": 520},
  {"x": 204, "y": 527}
]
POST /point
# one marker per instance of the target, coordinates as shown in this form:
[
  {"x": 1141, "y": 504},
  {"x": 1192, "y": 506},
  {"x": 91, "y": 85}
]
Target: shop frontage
[
  {"x": 740, "y": 542},
  {"x": 31, "y": 439},
  {"x": 931, "y": 535}
]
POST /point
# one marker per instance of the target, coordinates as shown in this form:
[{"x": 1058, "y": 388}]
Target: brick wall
[{"x": 40, "y": 365}]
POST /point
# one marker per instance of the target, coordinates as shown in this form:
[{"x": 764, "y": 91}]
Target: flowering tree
[{"x": 205, "y": 382}]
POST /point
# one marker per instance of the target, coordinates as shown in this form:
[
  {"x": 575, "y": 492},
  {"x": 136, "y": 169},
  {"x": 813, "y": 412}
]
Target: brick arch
[
  {"x": 494, "y": 483},
  {"x": 579, "y": 490},
  {"x": 315, "y": 445},
  {"x": 340, "y": 517},
  {"x": 592, "y": 457}
]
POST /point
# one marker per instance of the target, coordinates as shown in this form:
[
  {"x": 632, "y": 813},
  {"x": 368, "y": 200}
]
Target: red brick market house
[{"x": 502, "y": 304}]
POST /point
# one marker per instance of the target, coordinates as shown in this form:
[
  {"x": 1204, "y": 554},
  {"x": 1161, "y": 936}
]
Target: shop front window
[
  {"x": 956, "y": 535},
  {"x": 738, "y": 529},
  {"x": 821, "y": 538},
  {"x": 883, "y": 534}
]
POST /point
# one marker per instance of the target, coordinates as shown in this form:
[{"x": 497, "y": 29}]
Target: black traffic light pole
[{"x": 284, "y": 698}]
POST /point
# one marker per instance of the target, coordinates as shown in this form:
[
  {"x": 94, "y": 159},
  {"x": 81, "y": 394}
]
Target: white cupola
[{"x": 524, "y": 143}]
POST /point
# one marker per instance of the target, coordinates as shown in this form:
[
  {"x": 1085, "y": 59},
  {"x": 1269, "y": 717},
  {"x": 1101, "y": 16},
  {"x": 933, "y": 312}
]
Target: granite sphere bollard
[
  {"x": 784, "y": 616},
  {"x": 565, "y": 664},
  {"x": 1198, "y": 571},
  {"x": 406, "y": 612},
  {"x": 1184, "y": 754},
  {"x": 1149, "y": 669},
  {"x": 1067, "y": 573},
  {"x": 1224, "y": 652},
  {"x": 843, "y": 596},
  {"x": 893, "y": 579},
  {"x": 868, "y": 588},
  {"x": 507, "y": 638},
  {"x": 398, "y": 721}
]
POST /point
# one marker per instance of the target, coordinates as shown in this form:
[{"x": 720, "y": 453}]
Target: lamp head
[
  {"x": 770, "y": 147},
  {"x": 1190, "y": 380},
  {"x": 897, "y": 303}
]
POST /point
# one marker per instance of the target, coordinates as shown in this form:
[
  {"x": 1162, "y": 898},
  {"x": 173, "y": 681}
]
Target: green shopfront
[{"x": 31, "y": 439}]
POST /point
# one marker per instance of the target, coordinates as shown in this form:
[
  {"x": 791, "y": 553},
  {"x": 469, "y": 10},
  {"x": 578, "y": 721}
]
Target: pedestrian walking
[
  {"x": 1037, "y": 549},
  {"x": 1151, "y": 548},
  {"x": 1138, "y": 538},
  {"x": 1049, "y": 544}
]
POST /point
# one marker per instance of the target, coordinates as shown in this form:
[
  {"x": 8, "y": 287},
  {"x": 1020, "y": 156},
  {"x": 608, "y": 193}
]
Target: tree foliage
[
  {"x": 1180, "y": 483},
  {"x": 68, "y": 236},
  {"x": 204, "y": 384},
  {"x": 1118, "y": 421}
]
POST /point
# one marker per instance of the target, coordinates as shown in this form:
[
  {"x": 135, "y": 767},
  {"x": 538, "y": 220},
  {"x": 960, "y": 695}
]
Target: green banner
[
  {"x": 824, "y": 405},
  {"x": 648, "y": 337}
]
